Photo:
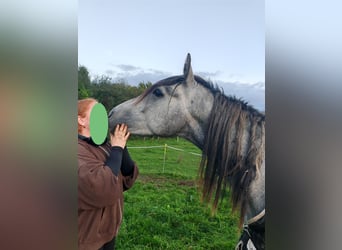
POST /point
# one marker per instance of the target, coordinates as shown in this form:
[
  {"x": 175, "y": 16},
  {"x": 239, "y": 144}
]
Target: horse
[{"x": 229, "y": 132}]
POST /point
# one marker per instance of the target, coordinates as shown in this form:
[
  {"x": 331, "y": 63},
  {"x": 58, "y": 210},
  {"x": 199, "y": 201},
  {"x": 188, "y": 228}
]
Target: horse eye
[{"x": 158, "y": 93}]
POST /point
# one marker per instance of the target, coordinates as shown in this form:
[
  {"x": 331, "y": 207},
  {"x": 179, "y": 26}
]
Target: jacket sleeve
[
  {"x": 97, "y": 185},
  {"x": 129, "y": 180},
  {"x": 114, "y": 161},
  {"x": 127, "y": 166}
]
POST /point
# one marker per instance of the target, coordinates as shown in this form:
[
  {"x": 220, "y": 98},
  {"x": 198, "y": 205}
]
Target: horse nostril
[{"x": 110, "y": 114}]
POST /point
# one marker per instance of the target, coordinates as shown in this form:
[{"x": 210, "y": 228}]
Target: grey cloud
[
  {"x": 158, "y": 72},
  {"x": 205, "y": 74},
  {"x": 110, "y": 72},
  {"x": 126, "y": 67},
  {"x": 134, "y": 75},
  {"x": 135, "y": 79}
]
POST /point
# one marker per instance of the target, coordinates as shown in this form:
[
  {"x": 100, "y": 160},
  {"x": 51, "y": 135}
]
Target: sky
[{"x": 148, "y": 40}]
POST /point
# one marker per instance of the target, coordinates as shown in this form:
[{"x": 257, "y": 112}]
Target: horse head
[{"x": 177, "y": 105}]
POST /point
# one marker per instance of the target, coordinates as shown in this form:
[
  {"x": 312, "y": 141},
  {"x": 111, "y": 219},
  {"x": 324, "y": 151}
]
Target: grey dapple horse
[{"x": 230, "y": 133}]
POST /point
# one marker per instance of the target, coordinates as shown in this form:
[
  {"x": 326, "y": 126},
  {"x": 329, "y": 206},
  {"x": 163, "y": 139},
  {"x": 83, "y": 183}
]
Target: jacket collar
[{"x": 90, "y": 141}]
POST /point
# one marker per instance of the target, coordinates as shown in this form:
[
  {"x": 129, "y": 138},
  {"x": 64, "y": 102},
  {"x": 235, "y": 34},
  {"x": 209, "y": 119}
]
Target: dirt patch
[
  {"x": 188, "y": 183},
  {"x": 153, "y": 179}
]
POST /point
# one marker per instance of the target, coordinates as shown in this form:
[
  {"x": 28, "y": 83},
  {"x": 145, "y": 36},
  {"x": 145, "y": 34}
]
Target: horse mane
[{"x": 233, "y": 150}]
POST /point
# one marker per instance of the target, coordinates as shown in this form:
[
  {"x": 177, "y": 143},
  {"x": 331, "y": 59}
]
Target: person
[{"x": 104, "y": 172}]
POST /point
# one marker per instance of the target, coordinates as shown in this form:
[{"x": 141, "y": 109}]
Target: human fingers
[
  {"x": 127, "y": 135},
  {"x": 117, "y": 128},
  {"x": 119, "y": 131},
  {"x": 124, "y": 128}
]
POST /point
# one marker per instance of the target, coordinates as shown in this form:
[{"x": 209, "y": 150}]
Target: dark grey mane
[{"x": 232, "y": 151}]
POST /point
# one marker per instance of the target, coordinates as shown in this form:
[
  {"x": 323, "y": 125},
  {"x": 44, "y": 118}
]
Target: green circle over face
[{"x": 98, "y": 123}]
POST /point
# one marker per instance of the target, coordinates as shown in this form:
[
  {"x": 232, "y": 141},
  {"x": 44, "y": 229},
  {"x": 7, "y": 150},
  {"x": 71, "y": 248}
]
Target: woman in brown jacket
[{"x": 104, "y": 172}]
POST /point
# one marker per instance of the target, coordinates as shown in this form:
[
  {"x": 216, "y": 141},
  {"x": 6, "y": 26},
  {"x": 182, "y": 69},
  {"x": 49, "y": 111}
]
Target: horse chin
[
  {"x": 139, "y": 131},
  {"x": 113, "y": 124}
]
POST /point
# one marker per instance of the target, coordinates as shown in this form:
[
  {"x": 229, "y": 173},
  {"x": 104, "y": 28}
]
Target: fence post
[{"x": 165, "y": 146}]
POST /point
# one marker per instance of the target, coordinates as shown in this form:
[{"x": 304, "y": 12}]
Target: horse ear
[{"x": 187, "y": 71}]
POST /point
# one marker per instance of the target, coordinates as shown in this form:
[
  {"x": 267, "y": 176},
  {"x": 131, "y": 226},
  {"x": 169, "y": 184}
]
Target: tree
[
  {"x": 105, "y": 90},
  {"x": 143, "y": 85},
  {"x": 84, "y": 82}
]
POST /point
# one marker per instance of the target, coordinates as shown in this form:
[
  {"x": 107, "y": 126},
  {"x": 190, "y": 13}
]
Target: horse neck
[
  {"x": 198, "y": 116},
  {"x": 256, "y": 202}
]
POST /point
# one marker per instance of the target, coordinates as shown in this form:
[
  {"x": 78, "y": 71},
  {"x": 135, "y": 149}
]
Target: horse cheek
[{"x": 177, "y": 121}]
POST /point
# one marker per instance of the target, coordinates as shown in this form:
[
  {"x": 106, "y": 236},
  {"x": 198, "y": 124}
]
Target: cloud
[
  {"x": 110, "y": 72},
  {"x": 135, "y": 79},
  {"x": 205, "y": 74},
  {"x": 134, "y": 75},
  {"x": 126, "y": 67}
]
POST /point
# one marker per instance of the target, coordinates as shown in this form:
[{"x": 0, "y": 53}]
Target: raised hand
[{"x": 120, "y": 136}]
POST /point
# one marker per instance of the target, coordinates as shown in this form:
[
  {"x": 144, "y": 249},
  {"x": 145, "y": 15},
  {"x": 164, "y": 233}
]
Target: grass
[{"x": 163, "y": 209}]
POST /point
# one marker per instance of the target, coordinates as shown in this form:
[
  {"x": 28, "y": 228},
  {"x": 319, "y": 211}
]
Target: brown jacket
[{"x": 100, "y": 196}]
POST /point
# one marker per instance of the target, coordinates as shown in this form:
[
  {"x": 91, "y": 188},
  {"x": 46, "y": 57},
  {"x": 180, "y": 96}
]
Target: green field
[{"x": 163, "y": 209}]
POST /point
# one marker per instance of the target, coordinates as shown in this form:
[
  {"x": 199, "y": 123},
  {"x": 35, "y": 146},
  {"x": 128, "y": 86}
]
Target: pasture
[{"x": 163, "y": 210}]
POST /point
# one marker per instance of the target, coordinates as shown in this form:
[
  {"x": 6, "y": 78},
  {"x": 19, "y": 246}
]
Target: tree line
[{"x": 110, "y": 93}]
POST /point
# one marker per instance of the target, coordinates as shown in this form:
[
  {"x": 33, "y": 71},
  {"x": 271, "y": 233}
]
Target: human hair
[{"x": 83, "y": 106}]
